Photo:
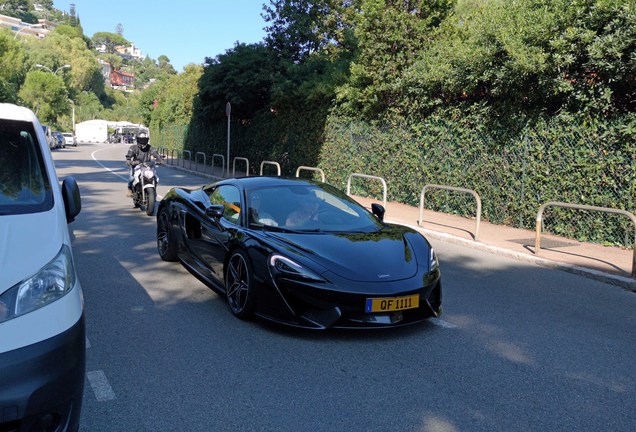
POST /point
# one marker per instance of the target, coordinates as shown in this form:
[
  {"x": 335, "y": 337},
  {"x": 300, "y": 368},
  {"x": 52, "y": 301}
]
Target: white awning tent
[{"x": 96, "y": 131}]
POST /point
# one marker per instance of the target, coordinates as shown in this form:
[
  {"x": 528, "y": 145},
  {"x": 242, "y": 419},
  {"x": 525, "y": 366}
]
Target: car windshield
[
  {"x": 307, "y": 208},
  {"x": 24, "y": 186}
]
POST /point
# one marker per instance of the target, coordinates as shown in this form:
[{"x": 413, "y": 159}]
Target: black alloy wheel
[
  {"x": 238, "y": 285},
  {"x": 165, "y": 239}
]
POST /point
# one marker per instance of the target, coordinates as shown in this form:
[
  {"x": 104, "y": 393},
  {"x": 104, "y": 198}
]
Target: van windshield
[{"x": 24, "y": 185}]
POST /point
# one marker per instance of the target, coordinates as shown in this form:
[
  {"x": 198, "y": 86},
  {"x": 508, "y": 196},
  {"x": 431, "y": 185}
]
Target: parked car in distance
[
  {"x": 69, "y": 139},
  {"x": 52, "y": 142},
  {"x": 59, "y": 138},
  {"x": 42, "y": 324}
]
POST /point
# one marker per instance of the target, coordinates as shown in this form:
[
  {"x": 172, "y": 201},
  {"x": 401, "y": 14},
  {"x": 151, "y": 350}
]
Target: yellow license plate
[{"x": 390, "y": 304}]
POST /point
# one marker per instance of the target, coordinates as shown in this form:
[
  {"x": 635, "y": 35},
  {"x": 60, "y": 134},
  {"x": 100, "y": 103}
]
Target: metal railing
[
  {"x": 455, "y": 189},
  {"x": 384, "y": 188},
  {"x": 247, "y": 167},
  {"x": 276, "y": 164},
  {"x": 537, "y": 241},
  {"x": 196, "y": 161},
  {"x": 307, "y": 168},
  {"x": 214, "y": 158},
  {"x": 189, "y": 153},
  {"x": 539, "y": 219}
]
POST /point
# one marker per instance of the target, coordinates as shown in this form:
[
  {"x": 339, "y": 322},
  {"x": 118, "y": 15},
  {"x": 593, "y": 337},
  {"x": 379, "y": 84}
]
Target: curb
[{"x": 621, "y": 281}]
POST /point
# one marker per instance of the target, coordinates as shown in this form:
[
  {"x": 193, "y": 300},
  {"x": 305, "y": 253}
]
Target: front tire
[
  {"x": 238, "y": 285},
  {"x": 137, "y": 196},
  {"x": 165, "y": 237},
  {"x": 151, "y": 197}
]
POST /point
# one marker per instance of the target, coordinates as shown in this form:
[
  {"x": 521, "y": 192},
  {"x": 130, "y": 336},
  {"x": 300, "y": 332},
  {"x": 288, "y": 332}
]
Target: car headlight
[
  {"x": 432, "y": 274},
  {"x": 281, "y": 266},
  {"x": 433, "y": 263},
  {"x": 52, "y": 282}
]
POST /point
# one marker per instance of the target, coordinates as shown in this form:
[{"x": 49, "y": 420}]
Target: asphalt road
[{"x": 519, "y": 347}]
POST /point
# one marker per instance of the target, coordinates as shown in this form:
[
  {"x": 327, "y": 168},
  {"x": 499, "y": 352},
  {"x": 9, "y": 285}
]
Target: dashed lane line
[{"x": 100, "y": 385}]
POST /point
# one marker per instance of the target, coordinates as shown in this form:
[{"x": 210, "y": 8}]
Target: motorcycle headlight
[
  {"x": 281, "y": 266},
  {"x": 148, "y": 174},
  {"x": 50, "y": 283}
]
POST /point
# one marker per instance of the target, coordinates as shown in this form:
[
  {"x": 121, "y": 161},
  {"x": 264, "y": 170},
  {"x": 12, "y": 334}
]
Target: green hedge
[{"x": 514, "y": 169}]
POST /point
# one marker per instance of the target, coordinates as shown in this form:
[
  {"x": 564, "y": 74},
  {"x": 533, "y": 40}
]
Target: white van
[{"x": 42, "y": 333}]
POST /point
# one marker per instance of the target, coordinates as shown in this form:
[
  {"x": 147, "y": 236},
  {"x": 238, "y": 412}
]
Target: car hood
[
  {"x": 381, "y": 256},
  {"x": 27, "y": 243}
]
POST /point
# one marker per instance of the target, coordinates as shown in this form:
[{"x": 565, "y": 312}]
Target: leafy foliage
[
  {"x": 170, "y": 102},
  {"x": 45, "y": 94},
  {"x": 242, "y": 76},
  {"x": 109, "y": 40},
  {"x": 12, "y": 67},
  {"x": 390, "y": 35}
]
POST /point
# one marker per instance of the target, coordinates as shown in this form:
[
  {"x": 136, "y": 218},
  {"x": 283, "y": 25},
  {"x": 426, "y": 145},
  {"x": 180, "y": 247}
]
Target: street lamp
[
  {"x": 66, "y": 66},
  {"x": 73, "y": 106},
  {"x": 26, "y": 27}
]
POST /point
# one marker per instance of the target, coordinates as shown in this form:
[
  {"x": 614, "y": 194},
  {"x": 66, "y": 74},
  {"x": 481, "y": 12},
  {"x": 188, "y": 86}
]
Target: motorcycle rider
[{"x": 138, "y": 153}]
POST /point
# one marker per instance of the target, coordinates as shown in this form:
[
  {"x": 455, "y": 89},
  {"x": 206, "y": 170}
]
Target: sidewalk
[
  {"x": 607, "y": 264},
  {"x": 611, "y": 265}
]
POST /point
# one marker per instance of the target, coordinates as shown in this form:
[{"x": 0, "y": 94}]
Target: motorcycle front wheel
[
  {"x": 151, "y": 197},
  {"x": 137, "y": 197}
]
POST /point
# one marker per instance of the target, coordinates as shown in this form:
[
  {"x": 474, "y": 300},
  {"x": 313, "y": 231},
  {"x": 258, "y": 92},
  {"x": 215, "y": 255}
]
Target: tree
[
  {"x": 12, "y": 66},
  {"x": 298, "y": 28},
  {"x": 114, "y": 60},
  {"x": 315, "y": 43},
  {"x": 48, "y": 4},
  {"x": 391, "y": 34},
  {"x": 58, "y": 49},
  {"x": 109, "y": 40},
  {"x": 243, "y": 76},
  {"x": 88, "y": 107},
  {"x": 45, "y": 93},
  {"x": 171, "y": 101},
  {"x": 74, "y": 21},
  {"x": 530, "y": 58},
  {"x": 16, "y": 8},
  {"x": 164, "y": 65}
]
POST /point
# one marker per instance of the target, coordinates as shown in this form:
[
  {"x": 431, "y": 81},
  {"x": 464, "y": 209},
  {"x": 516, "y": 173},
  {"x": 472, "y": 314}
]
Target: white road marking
[
  {"x": 105, "y": 167},
  {"x": 441, "y": 323},
  {"x": 99, "y": 383}
]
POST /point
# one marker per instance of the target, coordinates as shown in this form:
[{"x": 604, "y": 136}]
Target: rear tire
[
  {"x": 165, "y": 237},
  {"x": 151, "y": 195}
]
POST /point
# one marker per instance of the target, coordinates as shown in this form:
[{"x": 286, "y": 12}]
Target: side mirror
[
  {"x": 215, "y": 211},
  {"x": 72, "y": 199},
  {"x": 378, "y": 211}
]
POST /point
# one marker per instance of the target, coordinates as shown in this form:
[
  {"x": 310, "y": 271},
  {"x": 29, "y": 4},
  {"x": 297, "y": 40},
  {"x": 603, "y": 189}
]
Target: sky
[{"x": 186, "y": 31}]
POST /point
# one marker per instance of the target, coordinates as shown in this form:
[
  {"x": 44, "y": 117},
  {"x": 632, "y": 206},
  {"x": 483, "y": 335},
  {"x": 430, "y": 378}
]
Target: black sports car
[{"x": 301, "y": 253}]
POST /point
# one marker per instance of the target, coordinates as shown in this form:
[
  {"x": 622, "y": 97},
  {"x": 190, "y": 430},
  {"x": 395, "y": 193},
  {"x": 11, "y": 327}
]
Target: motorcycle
[{"x": 144, "y": 186}]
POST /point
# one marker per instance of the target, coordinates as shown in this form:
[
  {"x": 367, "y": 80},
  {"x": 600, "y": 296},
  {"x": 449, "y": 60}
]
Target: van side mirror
[{"x": 72, "y": 199}]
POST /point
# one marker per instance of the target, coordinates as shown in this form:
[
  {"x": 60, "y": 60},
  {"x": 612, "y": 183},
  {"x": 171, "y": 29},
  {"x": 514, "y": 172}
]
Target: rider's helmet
[{"x": 142, "y": 140}]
